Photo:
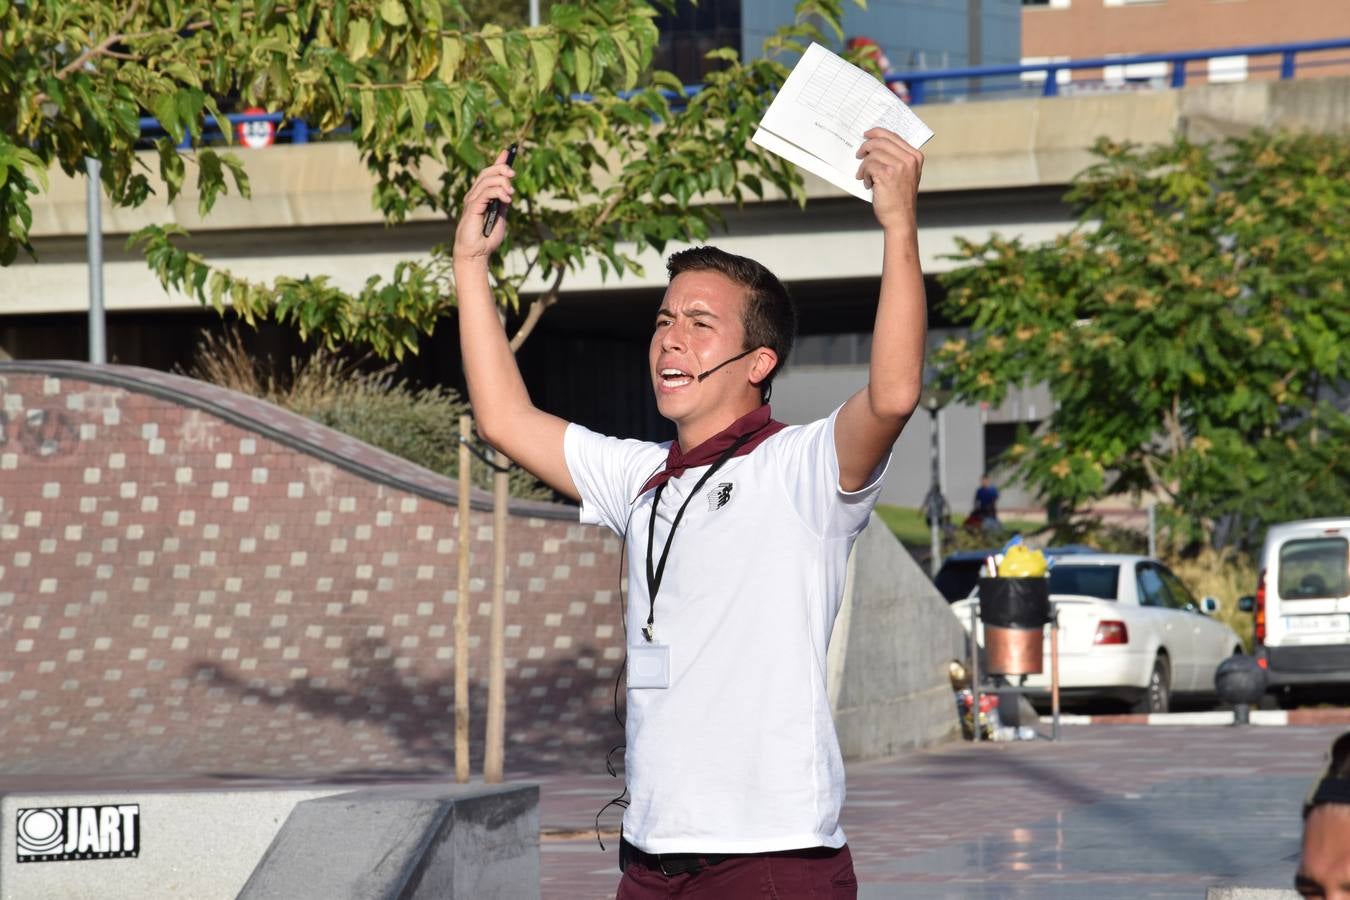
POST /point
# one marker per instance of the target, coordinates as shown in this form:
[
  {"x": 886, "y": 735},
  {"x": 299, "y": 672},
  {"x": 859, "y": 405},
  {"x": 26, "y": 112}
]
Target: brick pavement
[{"x": 1110, "y": 811}]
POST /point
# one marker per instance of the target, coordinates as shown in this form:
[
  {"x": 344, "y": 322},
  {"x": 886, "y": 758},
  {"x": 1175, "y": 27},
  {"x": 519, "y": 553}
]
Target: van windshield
[
  {"x": 1086, "y": 581},
  {"x": 1316, "y": 567}
]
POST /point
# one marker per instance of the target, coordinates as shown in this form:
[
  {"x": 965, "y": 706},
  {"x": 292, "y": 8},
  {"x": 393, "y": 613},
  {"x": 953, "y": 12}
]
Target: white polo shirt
[{"x": 739, "y": 754}]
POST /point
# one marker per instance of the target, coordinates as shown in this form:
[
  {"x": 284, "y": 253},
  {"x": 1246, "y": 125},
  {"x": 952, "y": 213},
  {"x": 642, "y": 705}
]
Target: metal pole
[
  {"x": 1153, "y": 530},
  {"x": 934, "y": 497},
  {"x": 974, "y": 39},
  {"x": 1054, "y": 675},
  {"x": 496, "y": 713},
  {"x": 462, "y": 610},
  {"x": 975, "y": 670},
  {"x": 98, "y": 341},
  {"x": 534, "y": 13}
]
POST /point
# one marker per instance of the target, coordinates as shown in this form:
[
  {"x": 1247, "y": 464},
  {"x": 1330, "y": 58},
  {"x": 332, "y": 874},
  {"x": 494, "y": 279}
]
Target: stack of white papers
[{"x": 818, "y": 118}]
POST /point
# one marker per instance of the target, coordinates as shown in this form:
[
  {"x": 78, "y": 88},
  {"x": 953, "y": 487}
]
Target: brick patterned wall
[{"x": 195, "y": 581}]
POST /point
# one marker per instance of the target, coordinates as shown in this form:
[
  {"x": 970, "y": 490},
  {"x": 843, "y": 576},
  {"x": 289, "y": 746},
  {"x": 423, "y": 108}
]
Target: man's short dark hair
[{"x": 770, "y": 319}]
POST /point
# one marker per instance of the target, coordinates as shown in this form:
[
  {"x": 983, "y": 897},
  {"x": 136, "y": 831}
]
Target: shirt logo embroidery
[{"x": 719, "y": 496}]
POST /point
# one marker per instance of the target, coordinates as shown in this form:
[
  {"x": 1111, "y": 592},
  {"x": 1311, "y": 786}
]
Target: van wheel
[{"x": 1157, "y": 697}]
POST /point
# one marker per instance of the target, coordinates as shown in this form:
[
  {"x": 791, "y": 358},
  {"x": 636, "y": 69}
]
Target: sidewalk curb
[{"x": 1265, "y": 717}]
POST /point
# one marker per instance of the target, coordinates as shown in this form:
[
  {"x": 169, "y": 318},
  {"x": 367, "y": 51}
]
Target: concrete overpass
[{"x": 993, "y": 166}]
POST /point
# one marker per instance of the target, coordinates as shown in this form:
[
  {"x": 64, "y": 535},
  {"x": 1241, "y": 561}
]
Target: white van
[{"x": 1302, "y": 603}]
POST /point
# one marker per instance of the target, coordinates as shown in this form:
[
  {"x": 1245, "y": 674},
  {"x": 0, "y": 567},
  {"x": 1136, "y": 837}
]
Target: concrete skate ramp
[
  {"x": 318, "y": 840},
  {"x": 892, "y": 643},
  {"x": 407, "y": 842}
]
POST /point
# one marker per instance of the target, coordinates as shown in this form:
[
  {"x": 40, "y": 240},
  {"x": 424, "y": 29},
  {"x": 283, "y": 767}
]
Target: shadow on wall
[{"x": 387, "y": 713}]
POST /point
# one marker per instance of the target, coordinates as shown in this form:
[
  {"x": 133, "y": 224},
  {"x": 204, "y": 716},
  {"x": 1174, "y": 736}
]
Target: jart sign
[{"x": 58, "y": 833}]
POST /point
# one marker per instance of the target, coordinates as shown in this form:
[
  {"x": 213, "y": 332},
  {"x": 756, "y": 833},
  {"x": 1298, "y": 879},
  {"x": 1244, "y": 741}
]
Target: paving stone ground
[{"x": 1108, "y": 812}]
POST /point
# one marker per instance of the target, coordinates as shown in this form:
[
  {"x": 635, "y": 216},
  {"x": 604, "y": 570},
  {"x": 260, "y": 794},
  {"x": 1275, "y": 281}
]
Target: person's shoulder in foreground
[{"x": 1324, "y": 864}]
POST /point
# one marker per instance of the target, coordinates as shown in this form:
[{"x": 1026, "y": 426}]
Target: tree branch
[
  {"x": 1158, "y": 484},
  {"x": 537, "y": 310},
  {"x": 1172, "y": 422},
  {"x": 104, "y": 47},
  {"x": 608, "y": 211}
]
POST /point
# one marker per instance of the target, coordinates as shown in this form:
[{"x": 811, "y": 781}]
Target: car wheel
[{"x": 1157, "y": 697}]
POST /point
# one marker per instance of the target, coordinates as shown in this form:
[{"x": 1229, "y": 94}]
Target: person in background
[{"x": 984, "y": 514}]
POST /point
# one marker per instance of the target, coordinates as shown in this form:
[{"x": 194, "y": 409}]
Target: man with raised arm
[{"x": 738, "y": 537}]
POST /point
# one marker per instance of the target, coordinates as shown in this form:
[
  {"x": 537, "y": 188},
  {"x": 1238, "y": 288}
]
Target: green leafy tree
[
  {"x": 1193, "y": 329},
  {"x": 607, "y": 160}
]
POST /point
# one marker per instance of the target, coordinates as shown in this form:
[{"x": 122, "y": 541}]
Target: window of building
[
  {"x": 1062, "y": 76},
  {"x": 689, "y": 32},
  {"x": 999, "y": 437},
  {"x": 1227, "y": 68},
  {"x": 1148, "y": 73}
]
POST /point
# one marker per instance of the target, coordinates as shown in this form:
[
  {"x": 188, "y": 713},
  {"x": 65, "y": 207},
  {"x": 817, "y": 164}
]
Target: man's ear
[{"x": 765, "y": 361}]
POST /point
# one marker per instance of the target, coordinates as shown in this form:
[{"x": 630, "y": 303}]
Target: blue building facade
[{"x": 913, "y": 34}]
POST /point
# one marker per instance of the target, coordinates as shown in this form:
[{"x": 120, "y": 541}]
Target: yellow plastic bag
[{"x": 1021, "y": 562}]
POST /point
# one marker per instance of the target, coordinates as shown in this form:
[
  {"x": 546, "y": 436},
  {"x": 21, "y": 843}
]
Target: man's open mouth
[{"x": 674, "y": 378}]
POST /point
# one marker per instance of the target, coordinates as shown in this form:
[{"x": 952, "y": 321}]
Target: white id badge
[{"x": 649, "y": 666}]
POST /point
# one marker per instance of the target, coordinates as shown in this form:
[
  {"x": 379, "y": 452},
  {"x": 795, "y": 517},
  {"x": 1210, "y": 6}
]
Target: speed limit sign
[{"x": 257, "y": 133}]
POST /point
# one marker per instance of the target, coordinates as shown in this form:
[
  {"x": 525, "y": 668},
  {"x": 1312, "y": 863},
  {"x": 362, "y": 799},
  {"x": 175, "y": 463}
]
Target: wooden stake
[
  {"x": 496, "y": 713},
  {"x": 462, "y": 610}
]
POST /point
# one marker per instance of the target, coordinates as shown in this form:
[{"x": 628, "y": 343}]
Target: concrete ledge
[
  {"x": 201, "y": 844},
  {"x": 893, "y": 640},
  {"x": 472, "y": 842}
]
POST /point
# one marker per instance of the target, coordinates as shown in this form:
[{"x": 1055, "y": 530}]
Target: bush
[
  {"x": 420, "y": 425},
  {"x": 1224, "y": 575}
]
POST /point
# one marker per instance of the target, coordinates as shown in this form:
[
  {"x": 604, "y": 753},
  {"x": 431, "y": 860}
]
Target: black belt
[{"x": 671, "y": 864}]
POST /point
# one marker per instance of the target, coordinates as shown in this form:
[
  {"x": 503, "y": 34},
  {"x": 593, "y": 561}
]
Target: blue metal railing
[
  {"x": 972, "y": 80},
  {"x": 919, "y": 82}
]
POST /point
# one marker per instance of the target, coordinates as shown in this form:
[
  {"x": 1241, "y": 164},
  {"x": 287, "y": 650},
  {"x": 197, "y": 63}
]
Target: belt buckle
[{"x": 684, "y": 866}]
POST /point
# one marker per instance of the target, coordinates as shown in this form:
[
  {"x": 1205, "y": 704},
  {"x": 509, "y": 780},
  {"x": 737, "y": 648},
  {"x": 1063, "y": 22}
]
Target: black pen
[{"x": 490, "y": 219}]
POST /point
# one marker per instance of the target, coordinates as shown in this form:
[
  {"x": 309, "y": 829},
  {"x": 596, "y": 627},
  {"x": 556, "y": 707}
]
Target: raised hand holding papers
[{"x": 819, "y": 116}]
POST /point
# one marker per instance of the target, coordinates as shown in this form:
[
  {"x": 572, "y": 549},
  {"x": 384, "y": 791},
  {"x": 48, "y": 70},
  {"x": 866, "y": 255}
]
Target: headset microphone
[{"x": 727, "y": 362}]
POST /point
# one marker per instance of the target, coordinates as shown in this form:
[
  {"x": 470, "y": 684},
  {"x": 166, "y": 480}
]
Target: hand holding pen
[
  {"x": 494, "y": 205},
  {"x": 478, "y": 235}
]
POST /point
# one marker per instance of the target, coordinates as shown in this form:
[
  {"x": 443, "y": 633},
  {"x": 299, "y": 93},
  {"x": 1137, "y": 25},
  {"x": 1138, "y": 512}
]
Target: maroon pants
[{"x": 818, "y": 874}]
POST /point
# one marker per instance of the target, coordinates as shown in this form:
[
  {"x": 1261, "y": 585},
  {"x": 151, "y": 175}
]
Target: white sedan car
[{"x": 1128, "y": 629}]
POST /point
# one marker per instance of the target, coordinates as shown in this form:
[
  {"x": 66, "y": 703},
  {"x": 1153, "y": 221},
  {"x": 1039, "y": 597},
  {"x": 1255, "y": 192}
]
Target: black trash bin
[{"x": 1014, "y": 612}]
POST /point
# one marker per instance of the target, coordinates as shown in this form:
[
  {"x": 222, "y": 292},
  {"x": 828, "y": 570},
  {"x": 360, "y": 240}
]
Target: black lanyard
[{"x": 654, "y": 576}]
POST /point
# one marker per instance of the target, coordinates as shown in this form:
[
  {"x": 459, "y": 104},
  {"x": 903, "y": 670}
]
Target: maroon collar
[{"x": 757, "y": 425}]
